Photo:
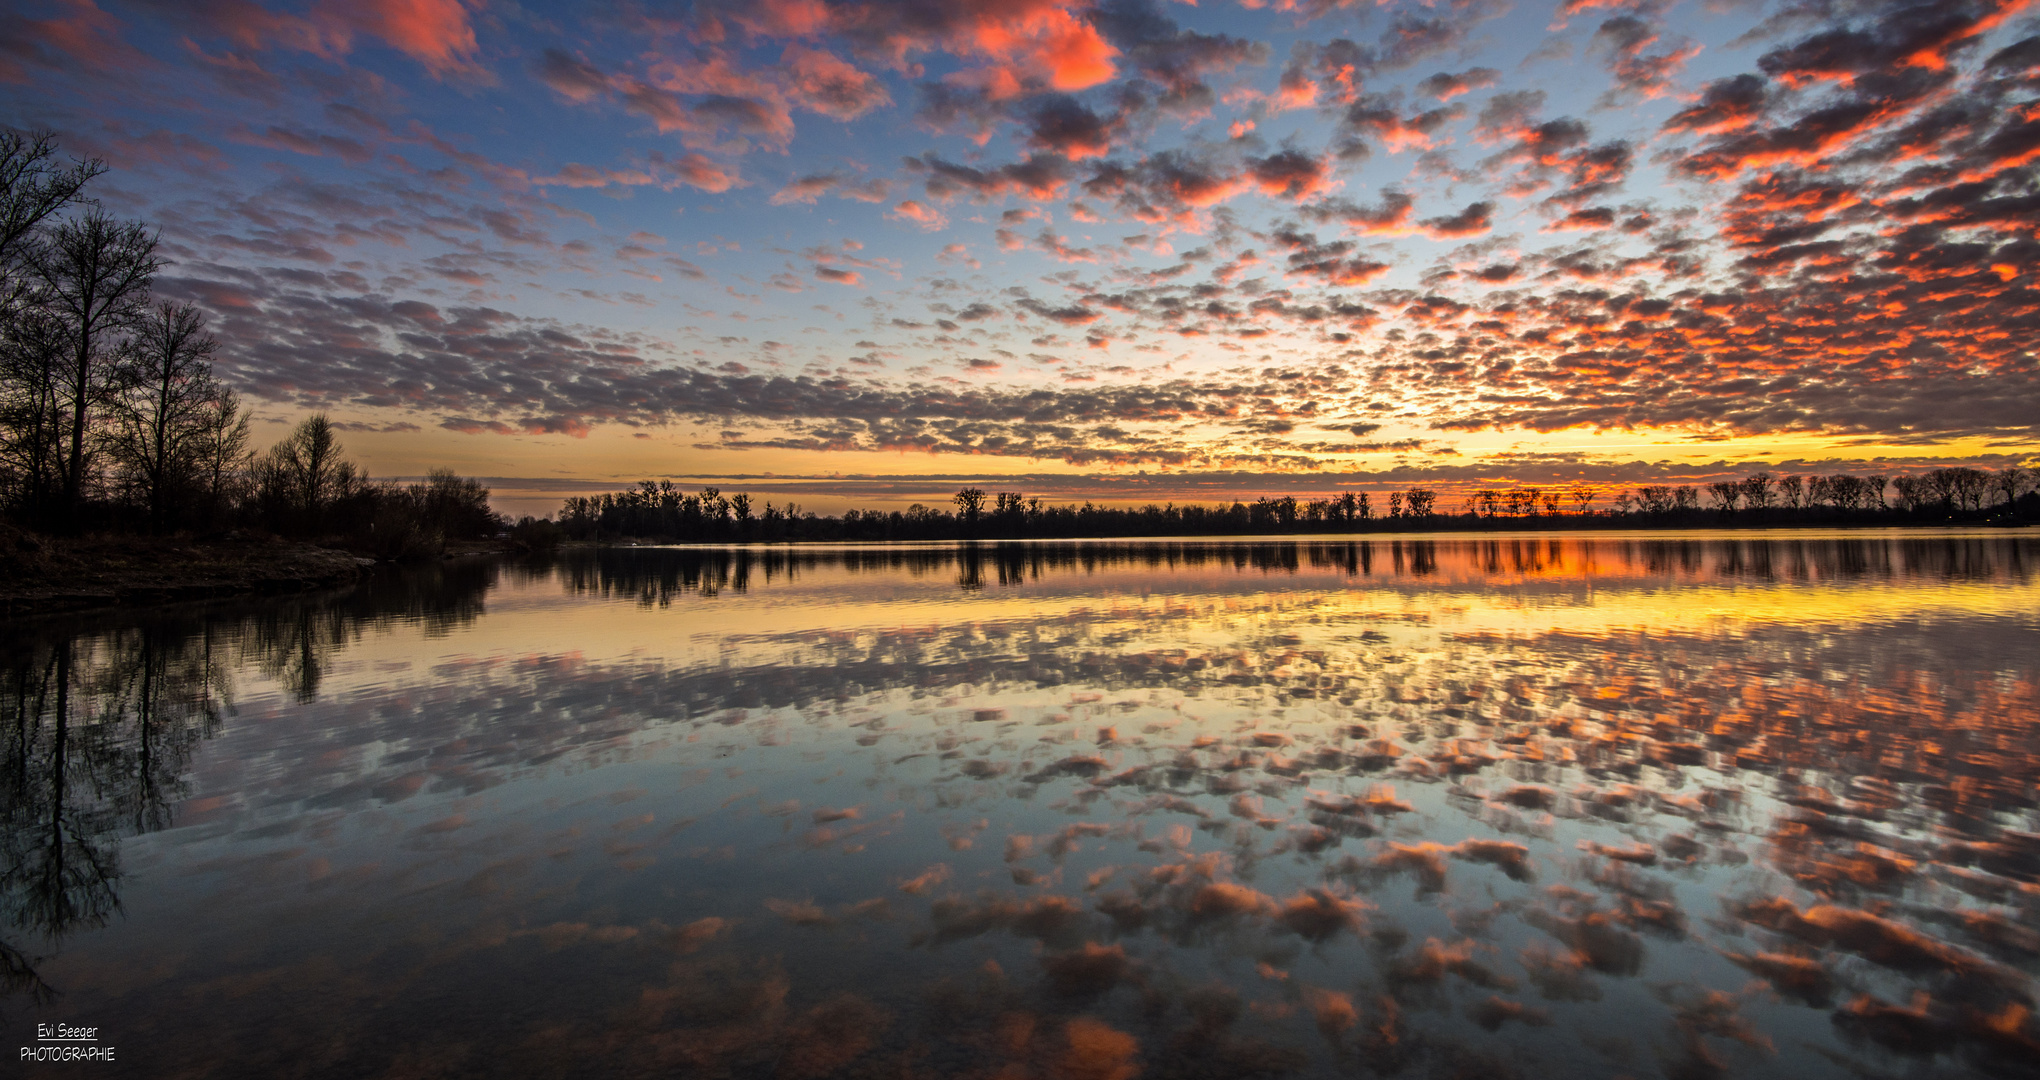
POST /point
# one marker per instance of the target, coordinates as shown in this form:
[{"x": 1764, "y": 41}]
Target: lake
[{"x": 1678, "y": 804}]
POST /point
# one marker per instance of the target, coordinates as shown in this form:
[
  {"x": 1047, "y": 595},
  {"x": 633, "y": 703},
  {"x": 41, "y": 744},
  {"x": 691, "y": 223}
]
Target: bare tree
[
  {"x": 221, "y": 461},
  {"x": 1913, "y": 492},
  {"x": 1942, "y": 483},
  {"x": 1791, "y": 491},
  {"x": 93, "y": 273},
  {"x": 2011, "y": 482},
  {"x": 163, "y": 399},
  {"x": 970, "y": 504},
  {"x": 303, "y": 475},
  {"x": 32, "y": 351},
  {"x": 1756, "y": 491},
  {"x": 32, "y": 343},
  {"x": 1821, "y": 489},
  {"x": 32, "y": 188},
  {"x": 1970, "y": 487},
  {"x": 1726, "y": 494},
  {"x": 1841, "y": 491}
]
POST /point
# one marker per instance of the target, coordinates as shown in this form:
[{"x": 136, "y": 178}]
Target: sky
[{"x": 852, "y": 252}]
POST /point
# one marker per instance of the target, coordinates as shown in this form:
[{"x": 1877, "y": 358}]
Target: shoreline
[
  {"x": 1445, "y": 529},
  {"x": 80, "y": 575},
  {"x": 47, "y": 576}
]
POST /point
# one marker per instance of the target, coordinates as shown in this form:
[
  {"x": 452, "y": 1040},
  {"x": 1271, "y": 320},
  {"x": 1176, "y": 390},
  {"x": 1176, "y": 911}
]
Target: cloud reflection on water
[{"x": 1220, "y": 814}]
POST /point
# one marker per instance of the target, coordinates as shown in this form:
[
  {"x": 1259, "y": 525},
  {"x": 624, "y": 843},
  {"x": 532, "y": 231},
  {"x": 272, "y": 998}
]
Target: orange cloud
[{"x": 1048, "y": 45}]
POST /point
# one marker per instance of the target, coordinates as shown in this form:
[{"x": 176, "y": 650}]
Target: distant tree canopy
[
  {"x": 111, "y": 415},
  {"x": 304, "y": 486},
  {"x": 658, "y": 510}
]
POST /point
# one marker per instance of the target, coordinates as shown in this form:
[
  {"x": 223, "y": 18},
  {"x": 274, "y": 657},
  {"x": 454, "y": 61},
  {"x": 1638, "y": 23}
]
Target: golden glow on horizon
[
  {"x": 611, "y": 457},
  {"x": 1587, "y": 590}
]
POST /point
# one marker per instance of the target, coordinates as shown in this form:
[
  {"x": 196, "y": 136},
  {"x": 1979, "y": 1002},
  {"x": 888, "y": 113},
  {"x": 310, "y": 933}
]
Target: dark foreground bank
[{"x": 45, "y": 575}]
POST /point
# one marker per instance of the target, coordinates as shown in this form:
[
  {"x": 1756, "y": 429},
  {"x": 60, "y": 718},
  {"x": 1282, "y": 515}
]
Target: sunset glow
[{"x": 856, "y": 252}]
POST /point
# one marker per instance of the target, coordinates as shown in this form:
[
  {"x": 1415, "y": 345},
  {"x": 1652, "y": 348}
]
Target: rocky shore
[{"x": 43, "y": 575}]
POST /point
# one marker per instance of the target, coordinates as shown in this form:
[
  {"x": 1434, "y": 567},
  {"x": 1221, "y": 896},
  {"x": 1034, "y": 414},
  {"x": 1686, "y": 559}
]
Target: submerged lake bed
[{"x": 1659, "y": 804}]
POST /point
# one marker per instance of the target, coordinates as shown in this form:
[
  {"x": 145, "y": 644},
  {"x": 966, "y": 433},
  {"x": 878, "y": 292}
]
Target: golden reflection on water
[{"x": 1679, "y": 805}]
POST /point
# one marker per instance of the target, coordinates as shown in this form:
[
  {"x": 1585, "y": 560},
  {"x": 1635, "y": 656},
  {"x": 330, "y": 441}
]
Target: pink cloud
[
  {"x": 439, "y": 34},
  {"x": 665, "y": 173},
  {"x": 436, "y": 33},
  {"x": 83, "y": 35},
  {"x": 1022, "y": 44},
  {"x": 830, "y": 86},
  {"x": 806, "y": 189},
  {"x": 927, "y": 217}
]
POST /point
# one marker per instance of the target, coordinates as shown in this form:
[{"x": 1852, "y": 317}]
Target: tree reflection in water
[
  {"x": 1184, "y": 808},
  {"x": 101, "y": 722},
  {"x": 661, "y": 575},
  {"x": 99, "y": 733}
]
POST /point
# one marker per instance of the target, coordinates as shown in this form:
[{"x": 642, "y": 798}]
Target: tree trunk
[{"x": 81, "y": 386}]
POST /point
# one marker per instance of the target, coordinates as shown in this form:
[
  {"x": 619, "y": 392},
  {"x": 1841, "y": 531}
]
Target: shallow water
[{"x": 1666, "y": 804}]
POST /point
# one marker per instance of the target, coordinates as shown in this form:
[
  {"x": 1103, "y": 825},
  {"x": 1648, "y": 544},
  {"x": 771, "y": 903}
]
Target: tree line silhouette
[
  {"x": 111, "y": 413},
  {"x": 660, "y": 510}
]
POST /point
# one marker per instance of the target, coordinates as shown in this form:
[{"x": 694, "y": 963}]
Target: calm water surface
[{"x": 1664, "y": 805}]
